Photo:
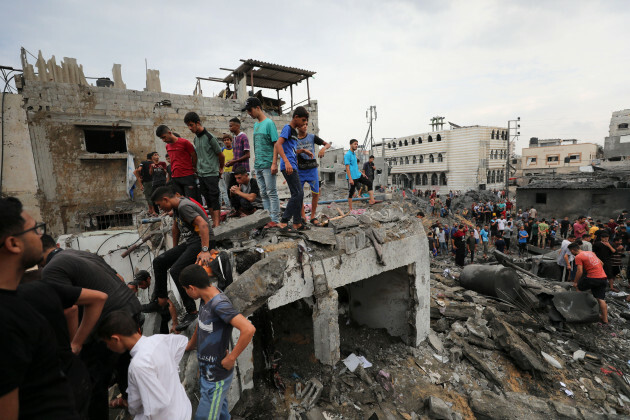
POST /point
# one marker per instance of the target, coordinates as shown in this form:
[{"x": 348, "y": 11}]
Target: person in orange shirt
[{"x": 590, "y": 274}]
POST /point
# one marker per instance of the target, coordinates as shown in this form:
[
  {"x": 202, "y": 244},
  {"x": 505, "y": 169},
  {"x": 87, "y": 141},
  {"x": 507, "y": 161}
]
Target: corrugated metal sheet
[{"x": 269, "y": 75}]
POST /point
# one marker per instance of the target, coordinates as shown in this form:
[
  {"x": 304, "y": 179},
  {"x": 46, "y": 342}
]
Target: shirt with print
[
  {"x": 265, "y": 136},
  {"x": 229, "y": 155},
  {"x": 592, "y": 266},
  {"x": 351, "y": 159},
  {"x": 214, "y": 333},
  {"x": 543, "y": 228},
  {"x": 289, "y": 146},
  {"x": 240, "y": 145},
  {"x": 159, "y": 173},
  {"x": 208, "y": 150},
  {"x": 184, "y": 215},
  {"x": 180, "y": 152},
  {"x": 308, "y": 143}
]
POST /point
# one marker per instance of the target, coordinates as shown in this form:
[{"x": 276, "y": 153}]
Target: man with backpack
[{"x": 191, "y": 225}]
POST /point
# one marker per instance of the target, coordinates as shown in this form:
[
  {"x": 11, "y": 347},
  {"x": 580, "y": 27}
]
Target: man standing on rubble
[
  {"x": 471, "y": 244},
  {"x": 458, "y": 246},
  {"x": 604, "y": 251},
  {"x": 240, "y": 151},
  {"x": 191, "y": 225},
  {"x": 484, "y": 233},
  {"x": 210, "y": 163},
  {"x": 265, "y": 159},
  {"x": 579, "y": 227},
  {"x": 145, "y": 178},
  {"x": 590, "y": 275},
  {"x": 183, "y": 162},
  {"x": 353, "y": 175},
  {"x": 565, "y": 258}
]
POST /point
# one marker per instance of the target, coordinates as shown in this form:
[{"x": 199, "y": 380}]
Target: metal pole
[
  {"x": 308, "y": 92},
  {"x": 279, "y": 104},
  {"x": 251, "y": 78},
  {"x": 507, "y": 164},
  {"x": 291, "y": 88}
]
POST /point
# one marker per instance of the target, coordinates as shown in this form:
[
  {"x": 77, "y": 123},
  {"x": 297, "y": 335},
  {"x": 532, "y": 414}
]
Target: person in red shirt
[
  {"x": 595, "y": 278},
  {"x": 579, "y": 227},
  {"x": 183, "y": 162}
]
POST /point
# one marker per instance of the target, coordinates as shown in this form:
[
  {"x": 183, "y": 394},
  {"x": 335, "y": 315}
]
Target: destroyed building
[
  {"x": 617, "y": 144},
  {"x": 68, "y": 145},
  {"x": 601, "y": 194},
  {"x": 459, "y": 158}
]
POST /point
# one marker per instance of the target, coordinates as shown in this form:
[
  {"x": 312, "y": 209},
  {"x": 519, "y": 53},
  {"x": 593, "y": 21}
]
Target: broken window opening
[
  {"x": 406, "y": 142},
  {"x": 413, "y": 141},
  {"x": 541, "y": 198},
  {"x": 431, "y": 158},
  {"x": 443, "y": 180},
  {"x": 421, "y": 158},
  {"x": 492, "y": 135},
  {"x": 531, "y": 160},
  {"x": 434, "y": 179},
  {"x": 425, "y": 179},
  {"x": 104, "y": 141},
  {"x": 575, "y": 157},
  {"x": 553, "y": 158},
  {"x": 622, "y": 126},
  {"x": 440, "y": 158},
  {"x": 107, "y": 221},
  {"x": 430, "y": 139},
  {"x": 419, "y": 140}
]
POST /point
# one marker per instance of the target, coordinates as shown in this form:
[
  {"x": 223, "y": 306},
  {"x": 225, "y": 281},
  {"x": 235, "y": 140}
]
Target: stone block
[
  {"x": 326, "y": 328},
  {"x": 241, "y": 225},
  {"x": 438, "y": 409}
]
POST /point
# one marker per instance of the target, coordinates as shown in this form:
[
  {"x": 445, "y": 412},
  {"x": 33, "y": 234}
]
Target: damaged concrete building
[
  {"x": 617, "y": 144},
  {"x": 601, "y": 194},
  {"x": 459, "y": 158},
  {"x": 68, "y": 144}
]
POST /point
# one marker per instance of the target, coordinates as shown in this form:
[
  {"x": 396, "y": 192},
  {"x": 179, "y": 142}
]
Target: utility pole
[
  {"x": 514, "y": 127},
  {"x": 370, "y": 115}
]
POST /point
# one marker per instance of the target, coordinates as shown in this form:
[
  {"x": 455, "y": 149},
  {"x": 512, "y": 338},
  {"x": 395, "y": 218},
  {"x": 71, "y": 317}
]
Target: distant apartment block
[
  {"x": 556, "y": 155},
  {"x": 617, "y": 144}
]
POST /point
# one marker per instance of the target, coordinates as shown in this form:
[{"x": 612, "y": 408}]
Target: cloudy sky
[{"x": 562, "y": 66}]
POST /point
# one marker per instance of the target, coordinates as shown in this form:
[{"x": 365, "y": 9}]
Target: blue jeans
[
  {"x": 294, "y": 206},
  {"x": 213, "y": 404},
  {"x": 268, "y": 192}
]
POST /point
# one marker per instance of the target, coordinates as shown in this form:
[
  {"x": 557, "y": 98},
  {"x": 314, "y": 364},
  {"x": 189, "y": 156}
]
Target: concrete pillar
[
  {"x": 326, "y": 328},
  {"x": 241, "y": 91},
  {"x": 117, "y": 75}
]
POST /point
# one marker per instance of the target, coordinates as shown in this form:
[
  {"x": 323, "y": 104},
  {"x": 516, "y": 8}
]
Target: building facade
[
  {"x": 460, "y": 158},
  {"x": 557, "y": 155},
  {"x": 617, "y": 144}
]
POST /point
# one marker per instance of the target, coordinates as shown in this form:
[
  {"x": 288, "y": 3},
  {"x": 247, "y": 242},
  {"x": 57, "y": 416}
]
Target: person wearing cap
[
  {"x": 142, "y": 280},
  {"x": 265, "y": 159}
]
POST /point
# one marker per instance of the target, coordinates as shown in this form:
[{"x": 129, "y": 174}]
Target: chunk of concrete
[
  {"x": 508, "y": 340},
  {"x": 579, "y": 355},
  {"x": 346, "y": 222},
  {"x": 576, "y": 306},
  {"x": 252, "y": 288},
  {"x": 477, "y": 361},
  {"x": 320, "y": 235},
  {"x": 438, "y": 409},
  {"x": 241, "y": 225},
  {"x": 435, "y": 342},
  {"x": 551, "y": 360}
]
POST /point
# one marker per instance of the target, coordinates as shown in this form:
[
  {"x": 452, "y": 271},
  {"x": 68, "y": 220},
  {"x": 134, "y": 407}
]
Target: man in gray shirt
[{"x": 192, "y": 228}]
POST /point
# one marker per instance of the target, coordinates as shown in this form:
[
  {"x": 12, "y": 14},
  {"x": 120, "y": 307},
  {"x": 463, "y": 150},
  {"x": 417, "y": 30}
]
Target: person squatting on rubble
[
  {"x": 32, "y": 384},
  {"x": 142, "y": 280},
  {"x": 89, "y": 271},
  {"x": 191, "y": 225},
  {"x": 183, "y": 159},
  {"x": 590, "y": 275},
  {"x": 217, "y": 318},
  {"x": 210, "y": 162},
  {"x": 286, "y": 147},
  {"x": 353, "y": 175},
  {"x": 265, "y": 159},
  {"x": 307, "y": 166},
  {"x": 245, "y": 195},
  {"x": 145, "y": 180},
  {"x": 155, "y": 391}
]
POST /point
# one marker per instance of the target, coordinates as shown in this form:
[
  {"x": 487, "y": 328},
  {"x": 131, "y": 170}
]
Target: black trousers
[
  {"x": 460, "y": 255},
  {"x": 186, "y": 186},
  {"x": 176, "y": 259},
  {"x": 362, "y": 180},
  {"x": 210, "y": 191}
]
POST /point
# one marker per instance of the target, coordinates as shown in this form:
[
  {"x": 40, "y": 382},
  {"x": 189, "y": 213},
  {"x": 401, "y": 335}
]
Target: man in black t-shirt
[
  {"x": 89, "y": 271},
  {"x": 143, "y": 174},
  {"x": 32, "y": 385},
  {"x": 190, "y": 225}
]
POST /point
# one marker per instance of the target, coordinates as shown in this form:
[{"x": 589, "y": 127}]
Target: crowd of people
[
  {"x": 590, "y": 252},
  {"x": 74, "y": 326}
]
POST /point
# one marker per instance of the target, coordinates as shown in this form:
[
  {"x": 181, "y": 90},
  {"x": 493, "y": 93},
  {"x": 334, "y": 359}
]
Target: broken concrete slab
[
  {"x": 435, "y": 342},
  {"x": 321, "y": 235},
  {"x": 237, "y": 226},
  {"x": 576, "y": 306},
  {"x": 508, "y": 340},
  {"x": 346, "y": 222},
  {"x": 551, "y": 360},
  {"x": 251, "y": 289},
  {"x": 477, "y": 360},
  {"x": 438, "y": 409}
]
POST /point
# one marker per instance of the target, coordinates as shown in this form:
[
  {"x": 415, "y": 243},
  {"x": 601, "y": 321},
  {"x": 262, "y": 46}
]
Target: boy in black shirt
[
  {"x": 143, "y": 174},
  {"x": 31, "y": 385},
  {"x": 247, "y": 192}
]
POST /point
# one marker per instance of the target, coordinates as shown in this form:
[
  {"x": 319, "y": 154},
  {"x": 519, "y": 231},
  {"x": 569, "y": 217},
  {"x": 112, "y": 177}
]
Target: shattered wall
[
  {"x": 74, "y": 183},
  {"x": 598, "y": 203},
  {"x": 18, "y": 175},
  {"x": 617, "y": 144}
]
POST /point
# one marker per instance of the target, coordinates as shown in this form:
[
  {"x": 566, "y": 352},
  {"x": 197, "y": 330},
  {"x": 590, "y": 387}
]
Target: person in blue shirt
[
  {"x": 484, "y": 233},
  {"x": 353, "y": 175},
  {"x": 522, "y": 241},
  {"x": 286, "y": 147}
]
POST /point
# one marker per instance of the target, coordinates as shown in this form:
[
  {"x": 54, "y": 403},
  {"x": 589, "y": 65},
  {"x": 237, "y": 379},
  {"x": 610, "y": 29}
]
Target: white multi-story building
[{"x": 460, "y": 158}]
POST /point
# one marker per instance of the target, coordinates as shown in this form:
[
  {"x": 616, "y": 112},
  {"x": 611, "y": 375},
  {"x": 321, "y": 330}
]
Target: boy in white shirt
[{"x": 155, "y": 391}]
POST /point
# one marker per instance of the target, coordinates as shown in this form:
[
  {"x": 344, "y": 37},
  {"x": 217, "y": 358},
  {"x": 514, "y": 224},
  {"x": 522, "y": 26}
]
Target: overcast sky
[{"x": 562, "y": 66}]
